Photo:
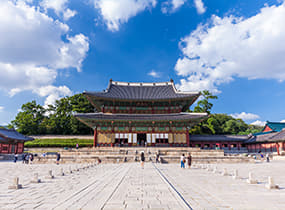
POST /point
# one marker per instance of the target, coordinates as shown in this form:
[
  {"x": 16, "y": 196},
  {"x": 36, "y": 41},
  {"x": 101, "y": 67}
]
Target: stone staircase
[{"x": 132, "y": 154}]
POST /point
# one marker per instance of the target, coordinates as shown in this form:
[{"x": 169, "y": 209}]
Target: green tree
[
  {"x": 61, "y": 119},
  {"x": 204, "y": 105},
  {"x": 220, "y": 124},
  {"x": 53, "y": 119},
  {"x": 29, "y": 120}
]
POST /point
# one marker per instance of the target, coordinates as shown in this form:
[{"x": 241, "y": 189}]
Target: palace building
[
  {"x": 11, "y": 141},
  {"x": 139, "y": 114}
]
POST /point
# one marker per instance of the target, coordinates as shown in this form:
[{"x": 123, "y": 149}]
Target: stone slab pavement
[{"x": 128, "y": 186}]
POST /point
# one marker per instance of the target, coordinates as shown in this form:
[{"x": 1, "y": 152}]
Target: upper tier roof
[
  {"x": 13, "y": 135},
  {"x": 142, "y": 91},
  {"x": 275, "y": 126}
]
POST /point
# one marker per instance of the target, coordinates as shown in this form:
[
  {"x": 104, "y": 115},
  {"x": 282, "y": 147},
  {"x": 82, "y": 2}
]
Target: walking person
[
  {"x": 57, "y": 158},
  {"x": 27, "y": 156},
  {"x": 23, "y": 157},
  {"x": 157, "y": 157},
  {"x": 142, "y": 159},
  {"x": 15, "y": 158},
  {"x": 182, "y": 159},
  {"x": 31, "y": 158},
  {"x": 189, "y": 160},
  {"x": 77, "y": 146},
  {"x": 267, "y": 158}
]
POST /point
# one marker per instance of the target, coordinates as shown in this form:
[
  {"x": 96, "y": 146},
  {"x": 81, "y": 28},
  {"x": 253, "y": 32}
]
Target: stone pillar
[
  {"x": 250, "y": 179},
  {"x": 95, "y": 137},
  {"x": 271, "y": 184},
  {"x": 15, "y": 184}
]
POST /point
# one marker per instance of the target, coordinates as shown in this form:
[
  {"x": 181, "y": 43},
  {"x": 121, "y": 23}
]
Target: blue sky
[{"x": 236, "y": 49}]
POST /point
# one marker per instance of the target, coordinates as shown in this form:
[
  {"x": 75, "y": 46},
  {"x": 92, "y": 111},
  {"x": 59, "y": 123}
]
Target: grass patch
[{"x": 59, "y": 143}]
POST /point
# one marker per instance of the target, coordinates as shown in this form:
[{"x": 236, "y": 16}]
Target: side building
[
  {"x": 11, "y": 141},
  {"x": 138, "y": 114},
  {"x": 271, "y": 139}
]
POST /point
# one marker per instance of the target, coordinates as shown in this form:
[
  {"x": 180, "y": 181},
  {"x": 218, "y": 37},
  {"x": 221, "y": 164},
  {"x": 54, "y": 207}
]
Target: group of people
[
  {"x": 184, "y": 160},
  {"x": 27, "y": 158}
]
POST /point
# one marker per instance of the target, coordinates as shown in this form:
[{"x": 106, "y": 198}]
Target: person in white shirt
[{"x": 182, "y": 159}]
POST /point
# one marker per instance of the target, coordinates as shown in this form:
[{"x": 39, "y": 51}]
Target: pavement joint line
[
  {"x": 172, "y": 187},
  {"x": 117, "y": 186},
  {"x": 78, "y": 192}
]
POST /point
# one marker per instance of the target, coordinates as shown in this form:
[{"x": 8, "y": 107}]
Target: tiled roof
[
  {"x": 142, "y": 91},
  {"x": 262, "y": 133},
  {"x": 270, "y": 137},
  {"x": 1, "y": 139},
  {"x": 275, "y": 126},
  {"x": 13, "y": 134},
  {"x": 142, "y": 117},
  {"x": 217, "y": 138}
]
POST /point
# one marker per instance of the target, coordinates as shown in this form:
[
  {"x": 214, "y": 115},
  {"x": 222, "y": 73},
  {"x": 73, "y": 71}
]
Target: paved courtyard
[{"x": 128, "y": 186}]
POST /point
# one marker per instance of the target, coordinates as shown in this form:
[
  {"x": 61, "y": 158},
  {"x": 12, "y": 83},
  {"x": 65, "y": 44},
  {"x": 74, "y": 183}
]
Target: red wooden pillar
[
  {"x": 95, "y": 138},
  {"x": 277, "y": 148},
  {"x": 187, "y": 137}
]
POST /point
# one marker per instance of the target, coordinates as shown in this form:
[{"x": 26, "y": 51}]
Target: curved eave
[
  {"x": 97, "y": 117},
  {"x": 186, "y": 97}
]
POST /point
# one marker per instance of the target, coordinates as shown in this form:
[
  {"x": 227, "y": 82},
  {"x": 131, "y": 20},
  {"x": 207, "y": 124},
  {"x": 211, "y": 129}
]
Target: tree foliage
[
  {"x": 204, "y": 105},
  {"x": 35, "y": 119},
  {"x": 224, "y": 124},
  {"x": 219, "y": 123}
]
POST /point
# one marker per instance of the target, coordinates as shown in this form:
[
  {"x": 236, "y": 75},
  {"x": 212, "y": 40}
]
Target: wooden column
[
  {"x": 187, "y": 137},
  {"x": 95, "y": 138}
]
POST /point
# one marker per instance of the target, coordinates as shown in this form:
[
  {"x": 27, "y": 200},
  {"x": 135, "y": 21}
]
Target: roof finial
[
  {"x": 171, "y": 80},
  {"x": 111, "y": 80}
]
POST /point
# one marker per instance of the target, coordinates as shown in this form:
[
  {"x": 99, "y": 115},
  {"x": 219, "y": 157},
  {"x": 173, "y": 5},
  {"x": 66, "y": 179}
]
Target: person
[
  {"x": 15, "y": 158},
  {"x": 261, "y": 157},
  {"x": 157, "y": 157},
  {"x": 267, "y": 158},
  {"x": 76, "y": 146},
  {"x": 142, "y": 159},
  {"x": 27, "y": 158},
  {"x": 23, "y": 157},
  {"x": 189, "y": 159},
  {"x": 182, "y": 159},
  {"x": 31, "y": 158},
  {"x": 57, "y": 158}
]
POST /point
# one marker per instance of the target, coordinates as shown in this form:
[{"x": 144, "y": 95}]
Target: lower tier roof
[
  {"x": 141, "y": 117},
  {"x": 8, "y": 134},
  {"x": 218, "y": 138}
]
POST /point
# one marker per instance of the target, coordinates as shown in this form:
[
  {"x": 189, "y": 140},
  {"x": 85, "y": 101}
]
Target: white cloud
[
  {"x": 68, "y": 13},
  {"x": 283, "y": 121},
  {"x": 1, "y": 108},
  {"x": 171, "y": 5},
  {"x": 154, "y": 74},
  {"x": 199, "y": 6},
  {"x": 258, "y": 123},
  {"x": 245, "y": 116},
  {"x": 117, "y": 12},
  {"x": 32, "y": 50},
  {"x": 59, "y": 7},
  {"x": 53, "y": 93},
  {"x": 229, "y": 47}
]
